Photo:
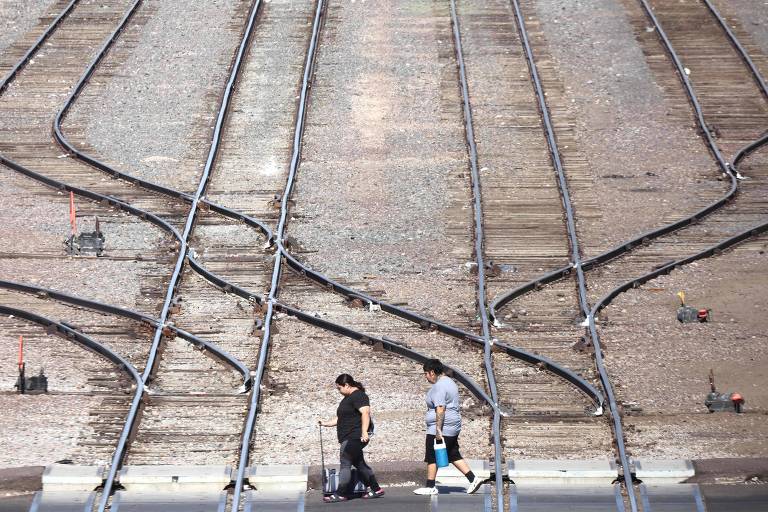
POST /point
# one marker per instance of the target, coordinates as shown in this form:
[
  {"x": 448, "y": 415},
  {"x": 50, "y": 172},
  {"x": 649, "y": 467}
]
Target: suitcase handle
[{"x": 322, "y": 456}]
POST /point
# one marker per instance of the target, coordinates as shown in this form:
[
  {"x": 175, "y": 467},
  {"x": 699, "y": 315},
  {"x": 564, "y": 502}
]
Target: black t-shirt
[{"x": 350, "y": 422}]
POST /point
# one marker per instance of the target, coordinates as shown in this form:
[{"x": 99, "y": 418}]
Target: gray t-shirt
[{"x": 444, "y": 392}]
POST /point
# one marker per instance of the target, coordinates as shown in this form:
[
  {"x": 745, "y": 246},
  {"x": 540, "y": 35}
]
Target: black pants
[{"x": 351, "y": 454}]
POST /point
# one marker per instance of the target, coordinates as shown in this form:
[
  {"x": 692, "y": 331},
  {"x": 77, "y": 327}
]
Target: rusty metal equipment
[
  {"x": 722, "y": 402},
  {"x": 37, "y": 384},
  {"x": 86, "y": 243},
  {"x": 688, "y": 314},
  {"x": 20, "y": 381}
]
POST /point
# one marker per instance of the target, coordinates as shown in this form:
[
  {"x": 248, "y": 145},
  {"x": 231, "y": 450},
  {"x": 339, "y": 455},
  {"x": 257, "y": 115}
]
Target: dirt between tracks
[
  {"x": 18, "y": 18},
  {"x": 660, "y": 366},
  {"x": 624, "y": 104}
]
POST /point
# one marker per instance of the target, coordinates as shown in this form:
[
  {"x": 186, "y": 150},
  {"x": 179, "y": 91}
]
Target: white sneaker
[
  {"x": 425, "y": 491},
  {"x": 474, "y": 485}
]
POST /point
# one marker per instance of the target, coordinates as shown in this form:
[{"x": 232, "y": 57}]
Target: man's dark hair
[{"x": 434, "y": 365}]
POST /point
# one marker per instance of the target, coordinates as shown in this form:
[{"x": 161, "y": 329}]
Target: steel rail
[
  {"x": 119, "y": 205},
  {"x": 742, "y": 51},
  {"x": 425, "y": 322},
  {"x": 430, "y": 324},
  {"x": 541, "y": 362},
  {"x": 60, "y": 138},
  {"x": 36, "y": 46},
  {"x": 101, "y": 307},
  {"x": 531, "y": 358},
  {"x": 385, "y": 344},
  {"x": 689, "y": 91},
  {"x": 482, "y": 303},
  {"x": 367, "y": 339},
  {"x": 86, "y": 341},
  {"x": 730, "y": 169},
  {"x": 298, "y": 133},
  {"x": 625, "y": 247},
  {"x": 713, "y": 250},
  {"x": 191, "y": 217},
  {"x": 255, "y": 223},
  {"x": 613, "y": 253},
  {"x": 161, "y": 323},
  {"x": 710, "y": 251},
  {"x": 63, "y": 330},
  {"x": 119, "y": 454},
  {"x": 749, "y": 148},
  {"x": 575, "y": 253},
  {"x": 68, "y": 146},
  {"x": 94, "y": 196}
]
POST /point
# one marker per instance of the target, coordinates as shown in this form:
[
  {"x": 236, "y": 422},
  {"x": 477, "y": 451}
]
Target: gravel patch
[
  {"x": 385, "y": 140},
  {"x": 664, "y": 369},
  {"x": 152, "y": 104},
  {"x": 18, "y": 18},
  {"x": 43, "y": 429},
  {"x": 622, "y": 110}
]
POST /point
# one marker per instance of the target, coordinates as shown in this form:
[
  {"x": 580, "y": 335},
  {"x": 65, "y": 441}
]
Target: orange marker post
[
  {"x": 72, "y": 213},
  {"x": 21, "y": 352}
]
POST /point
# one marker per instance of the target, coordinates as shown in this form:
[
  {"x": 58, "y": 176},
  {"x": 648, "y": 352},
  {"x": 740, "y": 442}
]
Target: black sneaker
[{"x": 373, "y": 494}]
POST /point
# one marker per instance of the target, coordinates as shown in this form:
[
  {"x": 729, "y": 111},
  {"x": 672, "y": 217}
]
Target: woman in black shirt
[{"x": 353, "y": 427}]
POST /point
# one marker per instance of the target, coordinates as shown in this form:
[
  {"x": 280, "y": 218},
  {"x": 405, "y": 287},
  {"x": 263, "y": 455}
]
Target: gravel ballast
[{"x": 18, "y": 18}]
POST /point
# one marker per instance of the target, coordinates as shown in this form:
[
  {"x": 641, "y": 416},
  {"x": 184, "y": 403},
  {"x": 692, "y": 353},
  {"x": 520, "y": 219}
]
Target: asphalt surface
[
  {"x": 395, "y": 499},
  {"x": 735, "y": 498},
  {"x": 15, "y": 503},
  {"x": 718, "y": 498}
]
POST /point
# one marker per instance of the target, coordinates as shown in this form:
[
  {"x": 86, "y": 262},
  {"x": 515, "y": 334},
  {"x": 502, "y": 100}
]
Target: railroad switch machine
[
  {"x": 688, "y": 314},
  {"x": 84, "y": 243},
  {"x": 722, "y": 402},
  {"x": 29, "y": 385},
  {"x": 90, "y": 243},
  {"x": 35, "y": 385}
]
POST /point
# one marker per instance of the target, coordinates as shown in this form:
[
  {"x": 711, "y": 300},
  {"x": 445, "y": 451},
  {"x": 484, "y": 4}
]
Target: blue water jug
[{"x": 441, "y": 453}]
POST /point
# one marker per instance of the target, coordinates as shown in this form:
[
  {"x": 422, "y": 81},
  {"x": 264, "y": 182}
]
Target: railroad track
[
  {"x": 520, "y": 192},
  {"x": 735, "y": 112},
  {"x": 171, "y": 395},
  {"x": 147, "y": 449},
  {"x": 217, "y": 240},
  {"x": 704, "y": 237},
  {"x": 81, "y": 156}
]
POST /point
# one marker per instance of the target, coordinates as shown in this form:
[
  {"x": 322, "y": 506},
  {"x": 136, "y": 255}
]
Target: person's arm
[
  {"x": 365, "y": 417},
  {"x": 329, "y": 423},
  {"x": 439, "y": 420}
]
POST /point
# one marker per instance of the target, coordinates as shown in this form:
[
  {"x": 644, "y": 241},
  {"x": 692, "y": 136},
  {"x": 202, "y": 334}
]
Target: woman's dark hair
[
  {"x": 346, "y": 378},
  {"x": 434, "y": 365}
]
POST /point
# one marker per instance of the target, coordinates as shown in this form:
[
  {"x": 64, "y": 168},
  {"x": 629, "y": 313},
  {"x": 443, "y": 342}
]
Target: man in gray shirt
[{"x": 443, "y": 421}]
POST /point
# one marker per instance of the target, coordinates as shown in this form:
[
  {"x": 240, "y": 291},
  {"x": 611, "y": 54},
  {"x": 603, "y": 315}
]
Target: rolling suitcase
[{"x": 330, "y": 476}]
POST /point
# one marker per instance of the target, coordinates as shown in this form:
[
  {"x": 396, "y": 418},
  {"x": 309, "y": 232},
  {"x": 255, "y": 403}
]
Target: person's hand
[
  {"x": 439, "y": 436},
  {"x": 364, "y": 438}
]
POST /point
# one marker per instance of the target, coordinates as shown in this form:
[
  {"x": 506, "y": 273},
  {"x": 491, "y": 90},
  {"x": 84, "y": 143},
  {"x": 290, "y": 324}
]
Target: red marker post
[{"x": 72, "y": 213}]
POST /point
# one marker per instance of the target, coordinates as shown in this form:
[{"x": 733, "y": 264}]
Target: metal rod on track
[
  {"x": 277, "y": 269},
  {"x": 575, "y": 256},
  {"x": 479, "y": 241},
  {"x": 183, "y": 249}
]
